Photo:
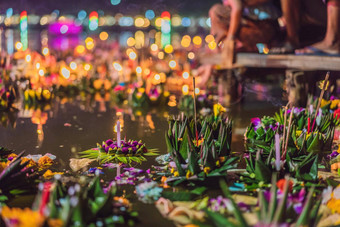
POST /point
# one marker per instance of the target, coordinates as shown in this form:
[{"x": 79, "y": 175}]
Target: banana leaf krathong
[
  {"x": 140, "y": 98},
  {"x": 201, "y": 156},
  {"x": 120, "y": 93},
  {"x": 84, "y": 204},
  {"x": 7, "y": 98},
  {"x": 8, "y": 118},
  {"x": 129, "y": 152},
  {"x": 302, "y": 150},
  {"x": 16, "y": 178},
  {"x": 278, "y": 207},
  {"x": 33, "y": 97},
  {"x": 158, "y": 96}
]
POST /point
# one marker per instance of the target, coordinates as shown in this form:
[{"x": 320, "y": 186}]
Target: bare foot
[
  {"x": 321, "y": 47},
  {"x": 286, "y": 48}
]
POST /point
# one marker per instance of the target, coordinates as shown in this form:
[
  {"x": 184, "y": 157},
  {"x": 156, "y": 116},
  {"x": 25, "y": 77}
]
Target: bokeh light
[
  {"x": 73, "y": 65},
  {"x": 185, "y": 89},
  {"x": 150, "y": 14},
  {"x": 168, "y": 49},
  {"x": 115, "y": 2},
  {"x": 185, "y": 75},
  {"x": 103, "y": 36},
  {"x": 172, "y": 64}
]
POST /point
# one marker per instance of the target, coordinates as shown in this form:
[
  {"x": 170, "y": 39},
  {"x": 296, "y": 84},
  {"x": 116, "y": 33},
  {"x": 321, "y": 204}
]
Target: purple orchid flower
[
  {"x": 256, "y": 123},
  {"x": 333, "y": 155}
]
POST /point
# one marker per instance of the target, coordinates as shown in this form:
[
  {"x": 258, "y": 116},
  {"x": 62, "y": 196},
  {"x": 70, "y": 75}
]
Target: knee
[
  {"x": 219, "y": 13},
  {"x": 215, "y": 9}
]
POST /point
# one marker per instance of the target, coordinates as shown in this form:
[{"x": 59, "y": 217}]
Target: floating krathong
[
  {"x": 83, "y": 204},
  {"x": 208, "y": 154},
  {"x": 300, "y": 148},
  {"x": 127, "y": 152}
]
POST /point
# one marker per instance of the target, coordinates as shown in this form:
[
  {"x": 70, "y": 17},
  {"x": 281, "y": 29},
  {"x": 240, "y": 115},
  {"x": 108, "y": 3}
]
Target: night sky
[{"x": 131, "y": 7}]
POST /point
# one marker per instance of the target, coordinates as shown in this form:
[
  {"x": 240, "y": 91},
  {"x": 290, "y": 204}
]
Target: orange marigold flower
[
  {"x": 281, "y": 184},
  {"x": 22, "y": 217},
  {"x": 31, "y": 162},
  {"x": 55, "y": 223},
  {"x": 12, "y": 156},
  {"x": 122, "y": 200},
  {"x": 3, "y": 165},
  {"x": 48, "y": 174},
  {"x": 45, "y": 160},
  {"x": 334, "y": 205}
]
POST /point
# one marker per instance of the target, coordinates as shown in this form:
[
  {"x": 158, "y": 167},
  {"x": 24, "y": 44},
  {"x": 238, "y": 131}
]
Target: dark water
[
  {"x": 90, "y": 123},
  {"x": 67, "y": 128},
  {"x": 72, "y": 127}
]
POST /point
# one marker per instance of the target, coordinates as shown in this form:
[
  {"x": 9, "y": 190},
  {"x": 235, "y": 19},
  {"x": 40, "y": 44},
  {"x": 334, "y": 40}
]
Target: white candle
[
  {"x": 277, "y": 151},
  {"x": 118, "y": 170},
  {"x": 118, "y": 134}
]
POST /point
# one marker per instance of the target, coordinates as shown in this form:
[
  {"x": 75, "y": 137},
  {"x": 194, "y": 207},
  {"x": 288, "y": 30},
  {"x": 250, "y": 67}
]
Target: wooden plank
[{"x": 303, "y": 62}]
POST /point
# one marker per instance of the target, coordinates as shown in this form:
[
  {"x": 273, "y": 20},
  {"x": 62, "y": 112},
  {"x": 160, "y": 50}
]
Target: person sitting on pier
[
  {"x": 298, "y": 13},
  {"x": 247, "y": 21}
]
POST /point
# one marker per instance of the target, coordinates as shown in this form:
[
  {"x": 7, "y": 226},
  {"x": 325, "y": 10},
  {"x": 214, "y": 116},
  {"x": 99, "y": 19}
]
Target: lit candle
[
  {"x": 277, "y": 151},
  {"x": 118, "y": 171},
  {"x": 118, "y": 134}
]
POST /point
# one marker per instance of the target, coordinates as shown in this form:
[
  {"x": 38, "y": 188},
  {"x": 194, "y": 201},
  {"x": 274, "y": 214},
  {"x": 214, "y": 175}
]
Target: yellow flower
[
  {"x": 97, "y": 84},
  {"x": 322, "y": 84},
  {"x": 31, "y": 162},
  {"x": 218, "y": 163},
  {"x": 46, "y": 94},
  {"x": 334, "y": 103},
  {"x": 189, "y": 174},
  {"x": 141, "y": 90},
  {"x": 55, "y": 223},
  {"x": 107, "y": 84},
  {"x": 334, "y": 205},
  {"x": 122, "y": 200},
  {"x": 324, "y": 103},
  {"x": 218, "y": 108},
  {"x": 45, "y": 161},
  {"x": 48, "y": 174},
  {"x": 3, "y": 165},
  {"x": 22, "y": 217},
  {"x": 26, "y": 94},
  {"x": 200, "y": 141},
  {"x": 176, "y": 173},
  {"x": 172, "y": 170},
  {"x": 38, "y": 94},
  {"x": 298, "y": 132},
  {"x": 31, "y": 93},
  {"x": 206, "y": 170}
]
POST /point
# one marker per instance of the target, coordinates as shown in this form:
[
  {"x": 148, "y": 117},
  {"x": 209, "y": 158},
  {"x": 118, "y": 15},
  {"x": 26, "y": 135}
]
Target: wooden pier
[
  {"x": 253, "y": 60},
  {"x": 301, "y": 71}
]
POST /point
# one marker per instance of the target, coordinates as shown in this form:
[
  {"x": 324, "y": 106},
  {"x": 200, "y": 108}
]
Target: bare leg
[
  {"x": 291, "y": 14},
  {"x": 331, "y": 43},
  {"x": 291, "y": 17}
]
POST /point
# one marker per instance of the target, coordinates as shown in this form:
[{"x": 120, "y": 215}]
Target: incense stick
[
  {"x": 284, "y": 126},
  {"x": 288, "y": 132},
  {"x": 325, "y": 82},
  {"x": 195, "y": 111}
]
